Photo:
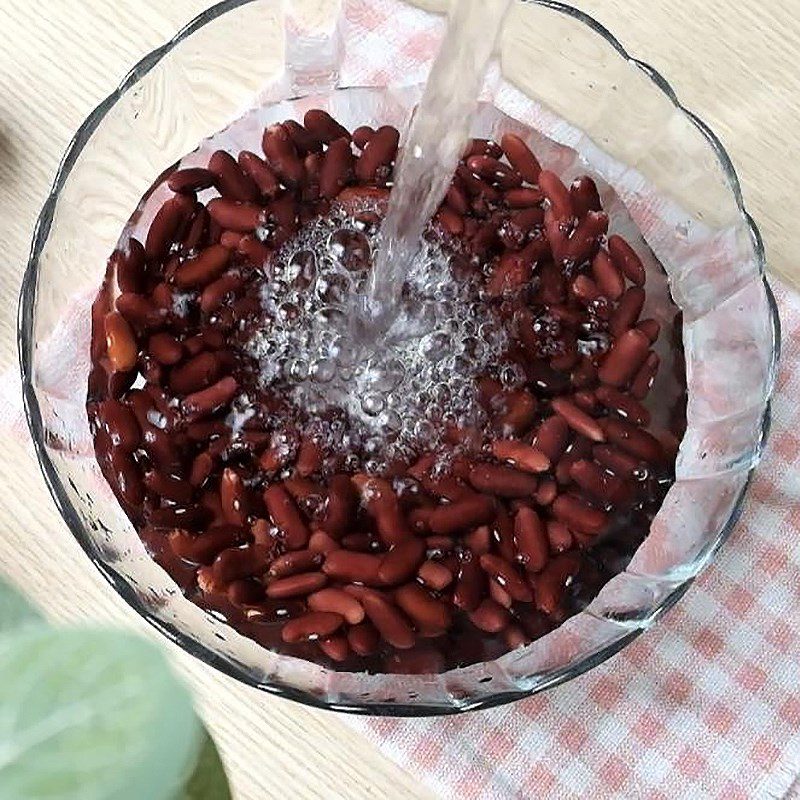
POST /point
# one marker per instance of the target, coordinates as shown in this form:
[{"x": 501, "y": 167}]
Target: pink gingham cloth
[{"x": 707, "y": 704}]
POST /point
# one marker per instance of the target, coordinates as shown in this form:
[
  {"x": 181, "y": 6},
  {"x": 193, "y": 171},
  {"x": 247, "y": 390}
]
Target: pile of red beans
[{"x": 454, "y": 556}]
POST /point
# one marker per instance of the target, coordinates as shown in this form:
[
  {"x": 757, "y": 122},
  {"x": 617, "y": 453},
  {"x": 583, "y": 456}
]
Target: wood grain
[{"x": 731, "y": 61}]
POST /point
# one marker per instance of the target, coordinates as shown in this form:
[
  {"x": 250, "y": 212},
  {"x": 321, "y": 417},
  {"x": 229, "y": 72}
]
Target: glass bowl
[{"x": 594, "y": 108}]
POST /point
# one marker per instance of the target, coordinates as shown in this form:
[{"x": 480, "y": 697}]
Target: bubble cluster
[{"x": 382, "y": 393}]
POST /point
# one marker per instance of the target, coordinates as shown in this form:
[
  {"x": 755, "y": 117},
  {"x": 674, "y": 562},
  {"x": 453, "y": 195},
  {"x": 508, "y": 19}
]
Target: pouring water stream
[{"x": 436, "y": 139}]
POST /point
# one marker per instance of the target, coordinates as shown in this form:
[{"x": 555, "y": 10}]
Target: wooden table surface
[{"x": 731, "y": 61}]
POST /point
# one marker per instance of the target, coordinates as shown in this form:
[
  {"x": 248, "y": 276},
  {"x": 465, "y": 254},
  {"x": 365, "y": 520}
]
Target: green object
[
  {"x": 90, "y": 715},
  {"x": 15, "y": 610},
  {"x": 208, "y": 781}
]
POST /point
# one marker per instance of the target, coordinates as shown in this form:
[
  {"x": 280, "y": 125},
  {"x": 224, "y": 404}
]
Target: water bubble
[
  {"x": 435, "y": 346},
  {"x": 302, "y": 269},
  {"x": 333, "y": 287},
  {"x": 323, "y": 370},
  {"x": 350, "y": 248},
  {"x": 298, "y": 369},
  {"x": 372, "y": 405}
]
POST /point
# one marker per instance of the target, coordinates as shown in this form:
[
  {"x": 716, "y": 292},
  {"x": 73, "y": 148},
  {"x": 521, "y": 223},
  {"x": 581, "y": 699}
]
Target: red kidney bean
[
  {"x": 520, "y": 413},
  {"x": 165, "y": 348},
  {"x": 470, "y": 584},
  {"x": 295, "y": 562},
  {"x": 624, "y": 405},
  {"x": 530, "y": 539},
  {"x": 585, "y": 197},
  {"x": 551, "y": 584},
  {"x": 381, "y": 502},
  {"x": 521, "y": 455},
  {"x": 259, "y": 172},
  {"x": 627, "y": 312},
  {"x": 583, "y": 242},
  {"x": 231, "y": 180},
  {"x": 558, "y": 196},
  {"x": 324, "y": 127},
  {"x": 215, "y": 293},
  {"x": 494, "y": 171},
  {"x": 233, "y": 496},
  {"x": 558, "y": 536},
  {"x": 644, "y": 378},
  {"x": 320, "y": 542},
  {"x": 312, "y": 626},
  {"x": 626, "y": 259},
  {"x": 284, "y": 513},
  {"x": 578, "y": 420},
  {"x": 304, "y": 141},
  {"x": 521, "y": 158},
  {"x": 174, "y": 489},
  {"x": 468, "y": 512},
  {"x": 166, "y": 225},
  {"x": 430, "y": 541},
  {"x": 435, "y": 575},
  {"x": 617, "y": 461},
  {"x": 205, "y": 547},
  {"x": 340, "y": 506},
  {"x": 482, "y": 147},
  {"x": 121, "y": 346},
  {"x": 128, "y": 264},
  {"x": 380, "y": 151},
  {"x": 546, "y": 492},
  {"x": 627, "y": 355},
  {"x": 599, "y": 484},
  {"x": 339, "y": 602},
  {"x": 336, "y": 169},
  {"x": 609, "y": 278},
  {"x": 502, "y": 481},
  {"x": 651, "y": 328},
  {"x": 450, "y": 221},
  {"x": 512, "y": 272},
  {"x": 200, "y": 404},
  {"x": 202, "y": 270},
  {"x": 633, "y": 440},
  {"x": 402, "y": 561},
  {"x": 457, "y": 200},
  {"x": 423, "y": 609},
  {"x": 524, "y": 198},
  {"x": 353, "y": 567},
  {"x": 240, "y": 562},
  {"x": 552, "y": 437},
  {"x": 362, "y": 135},
  {"x": 499, "y": 594},
  {"x": 578, "y": 516},
  {"x": 120, "y": 424},
  {"x": 504, "y": 573},
  {"x": 389, "y": 621},
  {"x": 236, "y": 216},
  {"x": 585, "y": 289},
  {"x": 196, "y": 373},
  {"x": 490, "y": 617},
  {"x": 363, "y": 639},
  {"x": 299, "y": 585},
  {"x": 282, "y": 155},
  {"x": 191, "y": 180},
  {"x": 475, "y": 186}
]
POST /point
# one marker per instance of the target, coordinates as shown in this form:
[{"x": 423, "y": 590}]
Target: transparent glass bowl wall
[{"x": 558, "y": 71}]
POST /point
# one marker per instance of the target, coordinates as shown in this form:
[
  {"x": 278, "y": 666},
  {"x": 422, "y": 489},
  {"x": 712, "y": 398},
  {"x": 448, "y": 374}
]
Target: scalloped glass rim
[{"x": 125, "y": 590}]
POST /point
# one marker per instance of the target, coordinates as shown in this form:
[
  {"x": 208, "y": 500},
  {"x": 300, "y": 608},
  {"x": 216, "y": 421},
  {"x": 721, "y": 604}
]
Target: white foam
[{"x": 396, "y": 390}]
